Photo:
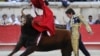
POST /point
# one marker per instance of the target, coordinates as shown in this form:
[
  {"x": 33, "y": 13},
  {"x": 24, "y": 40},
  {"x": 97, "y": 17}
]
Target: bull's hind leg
[
  {"x": 28, "y": 50},
  {"x": 66, "y": 52},
  {"x": 17, "y": 48}
]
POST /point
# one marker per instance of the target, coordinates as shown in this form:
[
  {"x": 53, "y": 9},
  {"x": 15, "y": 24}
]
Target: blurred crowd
[
  {"x": 12, "y": 20},
  {"x": 73, "y": 0},
  {"x": 15, "y": 0},
  {"x": 65, "y": 3},
  {"x": 91, "y": 20},
  {"x": 47, "y": 0}
]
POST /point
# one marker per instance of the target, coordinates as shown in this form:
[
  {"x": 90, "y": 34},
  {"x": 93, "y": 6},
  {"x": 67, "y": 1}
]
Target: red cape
[{"x": 43, "y": 22}]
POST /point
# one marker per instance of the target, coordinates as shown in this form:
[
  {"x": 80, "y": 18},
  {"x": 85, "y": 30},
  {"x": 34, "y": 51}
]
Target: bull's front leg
[
  {"x": 28, "y": 50},
  {"x": 17, "y": 48}
]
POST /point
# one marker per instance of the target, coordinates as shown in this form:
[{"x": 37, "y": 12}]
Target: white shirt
[
  {"x": 92, "y": 22},
  {"x": 69, "y": 24},
  {"x": 5, "y": 22},
  {"x": 15, "y": 22},
  {"x": 56, "y": 22},
  {"x": 14, "y": 0}
]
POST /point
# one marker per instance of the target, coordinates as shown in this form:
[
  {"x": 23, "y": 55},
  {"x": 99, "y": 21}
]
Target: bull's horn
[{"x": 22, "y": 12}]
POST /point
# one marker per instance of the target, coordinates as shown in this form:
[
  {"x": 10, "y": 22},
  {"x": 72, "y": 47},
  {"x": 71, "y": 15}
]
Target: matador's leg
[{"x": 75, "y": 40}]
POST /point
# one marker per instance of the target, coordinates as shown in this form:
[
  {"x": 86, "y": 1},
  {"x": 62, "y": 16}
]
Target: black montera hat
[{"x": 69, "y": 11}]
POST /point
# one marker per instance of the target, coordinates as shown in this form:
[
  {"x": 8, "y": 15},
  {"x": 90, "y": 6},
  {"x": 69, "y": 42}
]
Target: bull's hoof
[
  {"x": 9, "y": 55},
  {"x": 23, "y": 55}
]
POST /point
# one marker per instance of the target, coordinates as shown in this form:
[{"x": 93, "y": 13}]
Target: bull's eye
[{"x": 23, "y": 21}]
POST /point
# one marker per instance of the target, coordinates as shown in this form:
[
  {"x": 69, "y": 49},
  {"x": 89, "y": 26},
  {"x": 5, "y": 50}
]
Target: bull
[{"x": 61, "y": 40}]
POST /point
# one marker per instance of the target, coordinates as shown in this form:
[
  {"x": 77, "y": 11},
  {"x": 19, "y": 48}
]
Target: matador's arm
[{"x": 88, "y": 28}]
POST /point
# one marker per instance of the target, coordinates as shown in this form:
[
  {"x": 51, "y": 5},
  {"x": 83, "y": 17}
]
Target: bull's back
[{"x": 58, "y": 41}]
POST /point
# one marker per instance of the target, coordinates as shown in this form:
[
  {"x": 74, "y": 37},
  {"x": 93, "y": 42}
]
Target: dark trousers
[{"x": 82, "y": 47}]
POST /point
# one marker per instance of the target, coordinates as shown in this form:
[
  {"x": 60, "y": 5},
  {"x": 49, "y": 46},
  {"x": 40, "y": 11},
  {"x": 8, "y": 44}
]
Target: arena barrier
[
  {"x": 11, "y": 33},
  {"x": 93, "y": 38}
]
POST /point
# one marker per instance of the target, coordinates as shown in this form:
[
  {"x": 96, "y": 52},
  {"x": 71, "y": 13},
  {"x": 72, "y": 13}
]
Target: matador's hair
[{"x": 69, "y": 11}]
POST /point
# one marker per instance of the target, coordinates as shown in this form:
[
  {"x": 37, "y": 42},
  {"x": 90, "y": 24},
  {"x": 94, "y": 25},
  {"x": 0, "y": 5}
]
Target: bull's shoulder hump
[{"x": 62, "y": 30}]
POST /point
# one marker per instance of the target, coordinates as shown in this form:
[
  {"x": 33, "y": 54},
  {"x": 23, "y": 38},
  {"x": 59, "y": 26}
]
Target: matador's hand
[{"x": 90, "y": 33}]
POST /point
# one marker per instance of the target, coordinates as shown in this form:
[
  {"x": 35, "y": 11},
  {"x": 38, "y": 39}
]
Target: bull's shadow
[{"x": 61, "y": 40}]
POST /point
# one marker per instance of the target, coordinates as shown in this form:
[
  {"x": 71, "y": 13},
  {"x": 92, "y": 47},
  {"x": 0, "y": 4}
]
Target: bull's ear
[{"x": 22, "y": 12}]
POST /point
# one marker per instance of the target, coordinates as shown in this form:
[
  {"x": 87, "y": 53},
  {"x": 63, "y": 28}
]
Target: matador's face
[{"x": 69, "y": 15}]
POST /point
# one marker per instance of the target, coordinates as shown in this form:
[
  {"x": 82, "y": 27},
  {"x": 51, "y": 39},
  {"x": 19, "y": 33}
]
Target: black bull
[{"x": 61, "y": 40}]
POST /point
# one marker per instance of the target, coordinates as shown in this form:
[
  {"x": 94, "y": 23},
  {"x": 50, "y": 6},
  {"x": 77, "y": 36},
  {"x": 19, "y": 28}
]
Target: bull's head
[{"x": 25, "y": 18}]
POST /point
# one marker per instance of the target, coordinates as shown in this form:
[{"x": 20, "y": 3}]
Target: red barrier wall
[
  {"x": 10, "y": 34},
  {"x": 95, "y": 37}
]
